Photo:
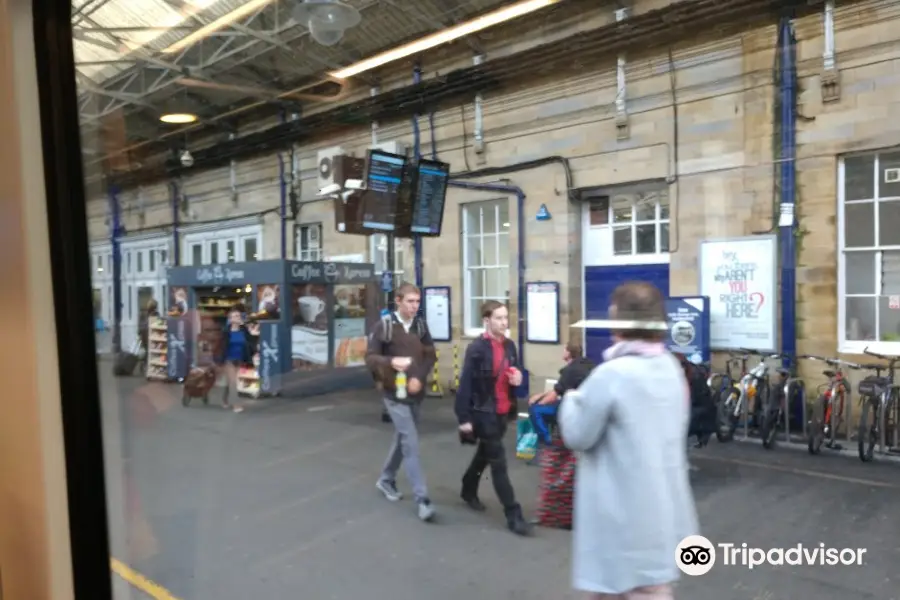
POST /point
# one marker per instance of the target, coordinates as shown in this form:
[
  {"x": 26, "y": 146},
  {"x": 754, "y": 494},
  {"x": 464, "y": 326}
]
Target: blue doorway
[{"x": 599, "y": 283}]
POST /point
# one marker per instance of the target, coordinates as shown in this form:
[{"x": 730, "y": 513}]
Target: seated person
[{"x": 542, "y": 407}]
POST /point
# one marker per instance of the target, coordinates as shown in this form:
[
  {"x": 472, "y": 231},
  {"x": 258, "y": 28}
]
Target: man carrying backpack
[{"x": 401, "y": 355}]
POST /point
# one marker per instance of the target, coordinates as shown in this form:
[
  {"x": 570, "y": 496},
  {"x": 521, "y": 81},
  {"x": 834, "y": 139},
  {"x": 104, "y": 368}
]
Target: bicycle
[
  {"x": 727, "y": 388},
  {"x": 878, "y": 396},
  {"x": 753, "y": 388},
  {"x": 776, "y": 408},
  {"x": 828, "y": 410}
]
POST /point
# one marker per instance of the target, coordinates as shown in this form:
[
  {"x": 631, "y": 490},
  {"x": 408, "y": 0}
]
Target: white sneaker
[{"x": 426, "y": 510}]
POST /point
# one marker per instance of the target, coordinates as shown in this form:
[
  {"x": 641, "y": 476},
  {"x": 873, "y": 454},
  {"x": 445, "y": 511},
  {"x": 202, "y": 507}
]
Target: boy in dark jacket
[
  {"x": 542, "y": 407},
  {"x": 400, "y": 342},
  {"x": 485, "y": 403}
]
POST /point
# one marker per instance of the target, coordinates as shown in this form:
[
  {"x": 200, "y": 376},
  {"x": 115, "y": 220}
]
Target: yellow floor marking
[
  {"x": 796, "y": 471},
  {"x": 154, "y": 590}
]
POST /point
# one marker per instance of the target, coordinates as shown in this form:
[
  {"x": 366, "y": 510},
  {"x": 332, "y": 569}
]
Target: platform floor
[{"x": 279, "y": 503}]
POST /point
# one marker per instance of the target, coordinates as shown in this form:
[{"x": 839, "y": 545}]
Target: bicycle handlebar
[
  {"x": 835, "y": 362},
  {"x": 892, "y": 360}
]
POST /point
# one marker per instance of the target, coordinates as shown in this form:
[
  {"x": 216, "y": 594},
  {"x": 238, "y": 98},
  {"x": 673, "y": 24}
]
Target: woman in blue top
[{"x": 238, "y": 345}]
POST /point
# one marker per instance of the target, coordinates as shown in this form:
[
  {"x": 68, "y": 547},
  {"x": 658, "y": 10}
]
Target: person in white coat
[{"x": 629, "y": 421}]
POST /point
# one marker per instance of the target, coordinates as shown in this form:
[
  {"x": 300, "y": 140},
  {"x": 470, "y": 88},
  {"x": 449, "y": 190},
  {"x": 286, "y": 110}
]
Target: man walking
[
  {"x": 485, "y": 403},
  {"x": 401, "y": 355}
]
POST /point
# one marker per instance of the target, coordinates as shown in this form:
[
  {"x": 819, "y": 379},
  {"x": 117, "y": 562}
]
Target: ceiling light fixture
[
  {"x": 220, "y": 23},
  {"x": 444, "y": 36},
  {"x": 178, "y": 118},
  {"x": 327, "y": 20}
]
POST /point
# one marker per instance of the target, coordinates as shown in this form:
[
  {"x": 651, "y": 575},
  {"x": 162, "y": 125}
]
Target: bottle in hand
[{"x": 400, "y": 384}]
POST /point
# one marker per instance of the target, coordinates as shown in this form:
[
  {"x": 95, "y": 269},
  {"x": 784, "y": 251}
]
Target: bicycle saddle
[
  {"x": 783, "y": 371},
  {"x": 829, "y": 373}
]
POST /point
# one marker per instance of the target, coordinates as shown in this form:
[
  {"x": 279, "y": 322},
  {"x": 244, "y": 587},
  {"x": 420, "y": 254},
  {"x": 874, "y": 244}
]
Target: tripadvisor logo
[{"x": 696, "y": 555}]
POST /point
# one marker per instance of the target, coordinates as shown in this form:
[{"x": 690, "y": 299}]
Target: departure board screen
[
  {"x": 384, "y": 176},
  {"x": 429, "y": 196}
]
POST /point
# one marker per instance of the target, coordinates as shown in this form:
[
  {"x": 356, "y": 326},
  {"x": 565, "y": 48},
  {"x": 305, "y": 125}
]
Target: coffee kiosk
[{"x": 313, "y": 318}]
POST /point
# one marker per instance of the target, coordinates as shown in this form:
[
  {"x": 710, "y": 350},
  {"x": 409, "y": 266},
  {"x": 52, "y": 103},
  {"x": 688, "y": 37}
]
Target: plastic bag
[{"x": 526, "y": 439}]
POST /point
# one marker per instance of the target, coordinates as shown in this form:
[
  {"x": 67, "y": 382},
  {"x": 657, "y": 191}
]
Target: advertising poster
[
  {"x": 350, "y": 339},
  {"x": 178, "y": 348},
  {"x": 688, "y": 320},
  {"x": 738, "y": 276},
  {"x": 309, "y": 326},
  {"x": 268, "y": 302},
  {"x": 437, "y": 313},
  {"x": 269, "y": 363}
]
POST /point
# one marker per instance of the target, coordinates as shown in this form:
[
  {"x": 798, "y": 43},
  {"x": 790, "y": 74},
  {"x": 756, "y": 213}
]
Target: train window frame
[{"x": 71, "y": 271}]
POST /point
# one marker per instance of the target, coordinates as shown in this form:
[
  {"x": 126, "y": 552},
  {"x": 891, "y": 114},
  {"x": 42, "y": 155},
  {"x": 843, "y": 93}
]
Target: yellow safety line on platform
[{"x": 155, "y": 591}]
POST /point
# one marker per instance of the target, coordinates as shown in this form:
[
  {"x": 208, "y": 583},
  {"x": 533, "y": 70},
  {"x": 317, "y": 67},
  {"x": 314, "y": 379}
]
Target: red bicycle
[{"x": 828, "y": 410}]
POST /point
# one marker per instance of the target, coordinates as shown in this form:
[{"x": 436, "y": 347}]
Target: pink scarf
[
  {"x": 640, "y": 348},
  {"x": 633, "y": 348}
]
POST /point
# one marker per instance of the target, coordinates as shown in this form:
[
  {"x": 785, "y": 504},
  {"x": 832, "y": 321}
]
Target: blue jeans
[{"x": 540, "y": 414}]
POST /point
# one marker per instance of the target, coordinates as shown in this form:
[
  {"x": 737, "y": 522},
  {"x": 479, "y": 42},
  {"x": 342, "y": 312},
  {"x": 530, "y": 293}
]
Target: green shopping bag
[{"x": 526, "y": 439}]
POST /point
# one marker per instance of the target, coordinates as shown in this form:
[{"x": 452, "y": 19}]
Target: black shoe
[
  {"x": 517, "y": 523},
  {"x": 473, "y": 502},
  {"x": 385, "y": 417}
]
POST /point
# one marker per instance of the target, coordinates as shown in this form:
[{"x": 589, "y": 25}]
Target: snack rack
[
  {"x": 157, "y": 351},
  {"x": 248, "y": 379}
]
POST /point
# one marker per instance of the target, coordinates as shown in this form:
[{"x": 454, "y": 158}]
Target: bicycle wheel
[
  {"x": 774, "y": 402},
  {"x": 816, "y": 435},
  {"x": 867, "y": 434},
  {"x": 726, "y": 420}
]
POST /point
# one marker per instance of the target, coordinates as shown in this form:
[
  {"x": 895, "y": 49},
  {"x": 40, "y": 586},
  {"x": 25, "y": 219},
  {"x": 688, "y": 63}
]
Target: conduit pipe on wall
[
  {"x": 116, "y": 231},
  {"x": 417, "y": 154},
  {"x": 520, "y": 277},
  {"x": 478, "y": 144},
  {"x": 283, "y": 195},
  {"x": 176, "y": 221},
  {"x": 786, "y": 222}
]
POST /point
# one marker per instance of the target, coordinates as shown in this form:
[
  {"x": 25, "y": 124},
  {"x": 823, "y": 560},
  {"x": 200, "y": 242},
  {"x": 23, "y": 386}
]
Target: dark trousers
[{"x": 490, "y": 452}]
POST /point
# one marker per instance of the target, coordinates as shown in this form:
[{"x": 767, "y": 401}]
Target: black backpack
[{"x": 387, "y": 326}]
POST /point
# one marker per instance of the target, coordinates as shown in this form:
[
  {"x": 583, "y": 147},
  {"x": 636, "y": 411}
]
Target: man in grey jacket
[{"x": 400, "y": 343}]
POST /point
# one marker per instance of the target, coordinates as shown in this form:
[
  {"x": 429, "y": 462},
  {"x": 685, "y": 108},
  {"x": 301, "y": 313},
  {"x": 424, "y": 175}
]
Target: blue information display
[
  {"x": 429, "y": 196},
  {"x": 384, "y": 175},
  {"x": 688, "y": 318}
]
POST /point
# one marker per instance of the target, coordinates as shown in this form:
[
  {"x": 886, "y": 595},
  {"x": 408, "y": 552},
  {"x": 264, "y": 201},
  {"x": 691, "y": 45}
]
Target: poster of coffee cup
[
  {"x": 350, "y": 325},
  {"x": 268, "y": 301},
  {"x": 178, "y": 301},
  {"x": 308, "y": 306}
]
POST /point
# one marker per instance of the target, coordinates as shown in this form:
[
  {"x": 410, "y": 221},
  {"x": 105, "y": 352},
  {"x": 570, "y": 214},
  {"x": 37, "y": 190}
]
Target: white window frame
[
  {"x": 846, "y": 346},
  {"x": 499, "y": 236},
  {"x": 221, "y": 235},
  {"x": 401, "y": 248},
  {"x": 313, "y": 252},
  {"x": 101, "y": 262},
  {"x": 144, "y": 247},
  {"x": 606, "y": 256}
]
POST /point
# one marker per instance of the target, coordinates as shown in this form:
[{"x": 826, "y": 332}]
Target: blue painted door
[{"x": 599, "y": 283}]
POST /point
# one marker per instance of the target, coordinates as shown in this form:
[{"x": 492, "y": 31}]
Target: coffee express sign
[
  {"x": 330, "y": 272},
  {"x": 219, "y": 274}
]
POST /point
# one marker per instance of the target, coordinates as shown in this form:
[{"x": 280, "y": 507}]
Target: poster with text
[
  {"x": 739, "y": 278},
  {"x": 688, "y": 320}
]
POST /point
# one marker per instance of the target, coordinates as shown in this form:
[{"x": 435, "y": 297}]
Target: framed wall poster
[
  {"x": 437, "y": 313},
  {"x": 739, "y": 276},
  {"x": 542, "y": 312}
]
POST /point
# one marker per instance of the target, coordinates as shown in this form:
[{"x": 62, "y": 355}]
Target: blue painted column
[
  {"x": 116, "y": 231},
  {"x": 787, "y": 222}
]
